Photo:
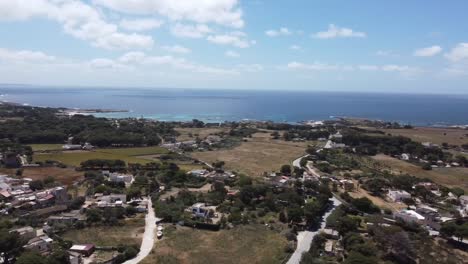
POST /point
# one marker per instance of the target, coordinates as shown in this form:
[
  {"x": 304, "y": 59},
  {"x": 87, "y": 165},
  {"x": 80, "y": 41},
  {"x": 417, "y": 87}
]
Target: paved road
[
  {"x": 297, "y": 162},
  {"x": 304, "y": 238},
  {"x": 148, "y": 236}
]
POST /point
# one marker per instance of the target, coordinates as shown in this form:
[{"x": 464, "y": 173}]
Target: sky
[{"x": 314, "y": 45}]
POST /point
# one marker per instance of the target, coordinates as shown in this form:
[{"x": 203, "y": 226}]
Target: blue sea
[{"x": 230, "y": 105}]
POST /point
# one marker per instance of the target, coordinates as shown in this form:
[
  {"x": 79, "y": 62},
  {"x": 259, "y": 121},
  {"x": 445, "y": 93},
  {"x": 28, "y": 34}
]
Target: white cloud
[
  {"x": 459, "y": 53},
  {"x": 132, "y": 57},
  {"x": 295, "y": 47},
  {"x": 190, "y": 31},
  {"x": 231, "y": 54},
  {"x": 280, "y": 32},
  {"x": 427, "y": 52},
  {"x": 250, "y": 67},
  {"x": 141, "y": 24},
  {"x": 177, "y": 49},
  {"x": 368, "y": 67},
  {"x": 404, "y": 70},
  {"x": 139, "y": 58},
  {"x": 386, "y": 53},
  {"x": 222, "y": 12},
  {"x": 80, "y": 20},
  {"x": 102, "y": 63},
  {"x": 337, "y": 32},
  {"x": 311, "y": 67},
  {"x": 236, "y": 39},
  {"x": 24, "y": 56}
]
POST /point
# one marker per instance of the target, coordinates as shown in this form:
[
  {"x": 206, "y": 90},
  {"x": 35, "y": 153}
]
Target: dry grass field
[
  {"x": 260, "y": 154},
  {"x": 74, "y": 158},
  {"x": 377, "y": 200},
  {"x": 129, "y": 233},
  {"x": 451, "y": 177},
  {"x": 240, "y": 245},
  {"x": 432, "y": 134},
  {"x": 201, "y": 132},
  {"x": 66, "y": 176}
]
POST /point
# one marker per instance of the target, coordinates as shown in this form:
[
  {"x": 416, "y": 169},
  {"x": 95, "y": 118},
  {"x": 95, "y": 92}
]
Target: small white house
[
  {"x": 464, "y": 200},
  {"x": 333, "y": 145},
  {"x": 200, "y": 210},
  {"x": 117, "y": 177},
  {"x": 409, "y": 216},
  {"x": 71, "y": 147},
  {"x": 398, "y": 195},
  {"x": 405, "y": 156},
  {"x": 336, "y": 137}
]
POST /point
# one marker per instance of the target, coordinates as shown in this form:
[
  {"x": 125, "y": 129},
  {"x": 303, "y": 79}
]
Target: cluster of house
[
  {"x": 332, "y": 246},
  {"x": 437, "y": 164},
  {"x": 205, "y": 212},
  {"x": 99, "y": 200},
  {"x": 16, "y": 194},
  {"x": 86, "y": 146},
  {"x": 335, "y": 141},
  {"x": 210, "y": 140},
  {"x": 425, "y": 214},
  {"x": 118, "y": 177},
  {"x": 15, "y": 160},
  {"x": 179, "y": 145},
  {"x": 212, "y": 175},
  {"x": 39, "y": 241}
]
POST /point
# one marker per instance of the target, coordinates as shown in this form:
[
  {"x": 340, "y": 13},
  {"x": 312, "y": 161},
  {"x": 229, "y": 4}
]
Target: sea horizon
[{"x": 185, "y": 104}]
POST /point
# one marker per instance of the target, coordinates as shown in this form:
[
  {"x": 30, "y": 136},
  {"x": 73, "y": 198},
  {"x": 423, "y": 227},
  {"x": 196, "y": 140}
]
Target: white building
[
  {"x": 117, "y": 177},
  {"x": 336, "y": 137},
  {"x": 409, "y": 216},
  {"x": 398, "y": 195},
  {"x": 200, "y": 210},
  {"x": 71, "y": 147},
  {"x": 464, "y": 199},
  {"x": 41, "y": 243},
  {"x": 198, "y": 173},
  {"x": 405, "y": 156},
  {"x": 333, "y": 145}
]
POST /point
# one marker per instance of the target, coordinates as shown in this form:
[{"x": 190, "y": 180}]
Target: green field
[
  {"x": 74, "y": 158},
  {"x": 46, "y": 147}
]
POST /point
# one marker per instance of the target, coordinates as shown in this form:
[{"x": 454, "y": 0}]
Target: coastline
[{"x": 214, "y": 116}]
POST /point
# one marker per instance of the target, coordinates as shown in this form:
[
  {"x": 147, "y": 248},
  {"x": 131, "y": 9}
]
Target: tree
[
  {"x": 218, "y": 165},
  {"x": 10, "y": 245},
  {"x": 347, "y": 224},
  {"x": 286, "y": 169},
  {"x": 365, "y": 205},
  {"x": 457, "y": 191},
  {"x": 427, "y": 166},
  {"x": 36, "y": 185},
  {"x": 282, "y": 217},
  {"x": 93, "y": 215},
  {"x": 244, "y": 180},
  {"x": 355, "y": 257},
  {"x": 32, "y": 257},
  {"x": 275, "y": 135}
]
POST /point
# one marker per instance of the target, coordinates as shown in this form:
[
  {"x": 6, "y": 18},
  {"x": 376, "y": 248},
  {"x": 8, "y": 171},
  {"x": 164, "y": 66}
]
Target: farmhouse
[
  {"x": 85, "y": 249},
  {"x": 398, "y": 195},
  {"x": 409, "y": 216},
  {"x": 199, "y": 210},
  {"x": 117, "y": 177},
  {"x": 41, "y": 243},
  {"x": 333, "y": 145},
  {"x": 26, "y": 233}
]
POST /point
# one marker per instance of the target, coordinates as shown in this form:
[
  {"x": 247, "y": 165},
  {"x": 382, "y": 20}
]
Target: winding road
[
  {"x": 148, "y": 236},
  {"x": 304, "y": 238}
]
